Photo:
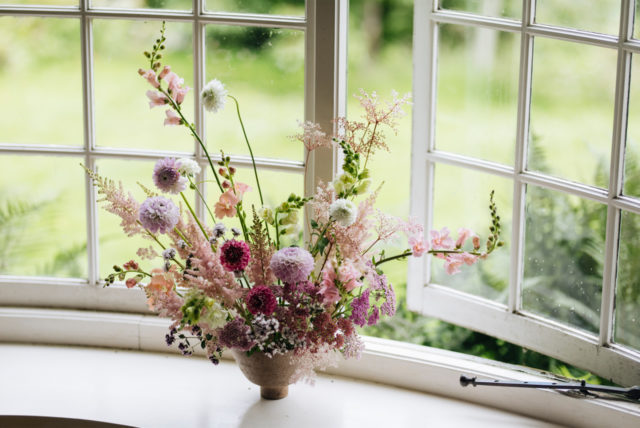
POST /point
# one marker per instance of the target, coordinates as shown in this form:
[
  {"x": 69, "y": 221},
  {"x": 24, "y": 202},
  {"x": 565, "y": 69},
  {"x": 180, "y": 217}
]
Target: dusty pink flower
[
  {"x": 174, "y": 81},
  {"x": 164, "y": 72},
  {"x": 463, "y": 235},
  {"x": 179, "y": 94},
  {"x": 172, "y": 118},
  {"x": 151, "y": 77},
  {"x": 240, "y": 189},
  {"x": 131, "y": 282},
  {"x": 261, "y": 300},
  {"x": 441, "y": 240},
  {"x": 130, "y": 265},
  {"x": 160, "y": 282},
  {"x": 418, "y": 247},
  {"x": 226, "y": 205},
  {"x": 159, "y": 214},
  {"x": 328, "y": 288},
  {"x": 234, "y": 255},
  {"x": 312, "y": 136},
  {"x": 452, "y": 264},
  {"x": 349, "y": 276},
  {"x": 292, "y": 264},
  {"x": 156, "y": 98}
]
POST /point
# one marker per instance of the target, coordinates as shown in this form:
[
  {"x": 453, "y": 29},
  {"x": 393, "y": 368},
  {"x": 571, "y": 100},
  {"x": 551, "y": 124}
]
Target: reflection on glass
[
  {"x": 123, "y": 116},
  {"x": 144, "y": 4},
  {"x": 271, "y": 7},
  {"x": 116, "y": 247},
  {"x": 264, "y": 69},
  {"x": 477, "y": 92},
  {"x": 496, "y": 8},
  {"x": 461, "y": 198},
  {"x": 627, "y": 325},
  {"x": 572, "y": 111},
  {"x": 632, "y": 148},
  {"x": 42, "y": 217},
  {"x": 602, "y": 16},
  {"x": 40, "y": 70},
  {"x": 564, "y": 250},
  {"x": 276, "y": 188}
]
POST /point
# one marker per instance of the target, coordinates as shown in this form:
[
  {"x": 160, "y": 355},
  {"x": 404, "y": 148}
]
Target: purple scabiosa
[
  {"x": 158, "y": 214},
  {"x": 292, "y": 264},
  {"x": 167, "y": 177},
  {"x": 235, "y": 334},
  {"x": 261, "y": 300},
  {"x": 359, "y": 309},
  {"x": 235, "y": 255}
]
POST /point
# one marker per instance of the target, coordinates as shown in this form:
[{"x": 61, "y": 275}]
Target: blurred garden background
[{"x": 42, "y": 206}]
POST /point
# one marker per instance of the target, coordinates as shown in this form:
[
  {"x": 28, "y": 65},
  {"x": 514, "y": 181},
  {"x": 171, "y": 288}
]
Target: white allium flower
[
  {"x": 343, "y": 211},
  {"x": 214, "y": 96},
  {"x": 188, "y": 167}
]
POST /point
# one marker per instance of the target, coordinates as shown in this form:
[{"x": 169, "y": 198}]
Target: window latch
[{"x": 632, "y": 393}]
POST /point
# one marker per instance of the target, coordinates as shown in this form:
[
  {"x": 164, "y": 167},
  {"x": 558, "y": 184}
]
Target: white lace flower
[
  {"x": 343, "y": 211},
  {"x": 188, "y": 167},
  {"x": 214, "y": 96}
]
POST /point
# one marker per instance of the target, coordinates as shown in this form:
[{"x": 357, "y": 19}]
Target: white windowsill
[{"x": 148, "y": 379}]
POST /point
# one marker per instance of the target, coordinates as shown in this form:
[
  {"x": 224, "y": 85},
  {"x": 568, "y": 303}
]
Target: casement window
[
  {"x": 73, "y": 95},
  {"x": 538, "y": 101}
]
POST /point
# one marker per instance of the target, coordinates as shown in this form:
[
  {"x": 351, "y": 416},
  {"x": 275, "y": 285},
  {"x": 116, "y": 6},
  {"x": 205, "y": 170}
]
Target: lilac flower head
[
  {"x": 158, "y": 214},
  {"x": 235, "y": 334},
  {"x": 359, "y": 308},
  {"x": 167, "y": 177},
  {"x": 292, "y": 264}
]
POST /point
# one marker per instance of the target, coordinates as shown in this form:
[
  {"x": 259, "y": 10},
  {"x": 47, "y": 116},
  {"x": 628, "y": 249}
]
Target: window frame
[
  {"x": 324, "y": 26},
  {"x": 510, "y": 322}
]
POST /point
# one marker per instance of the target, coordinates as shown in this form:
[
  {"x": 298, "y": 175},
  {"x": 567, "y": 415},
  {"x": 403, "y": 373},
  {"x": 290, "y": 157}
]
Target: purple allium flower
[
  {"x": 235, "y": 334},
  {"x": 167, "y": 177},
  {"x": 260, "y": 300},
  {"x": 359, "y": 308},
  {"x": 234, "y": 255},
  {"x": 159, "y": 214},
  {"x": 292, "y": 264}
]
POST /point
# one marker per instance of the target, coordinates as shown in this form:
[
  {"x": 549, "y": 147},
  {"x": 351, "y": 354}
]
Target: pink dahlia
[
  {"x": 261, "y": 300},
  {"x": 292, "y": 264},
  {"x": 235, "y": 255},
  {"x": 158, "y": 214}
]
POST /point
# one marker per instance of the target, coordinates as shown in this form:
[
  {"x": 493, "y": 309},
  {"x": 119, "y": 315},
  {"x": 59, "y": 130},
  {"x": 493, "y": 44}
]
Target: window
[
  {"x": 535, "y": 99},
  {"x": 70, "y": 69}
]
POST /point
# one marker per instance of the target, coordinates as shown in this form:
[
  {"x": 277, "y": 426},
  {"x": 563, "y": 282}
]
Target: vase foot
[{"x": 274, "y": 392}]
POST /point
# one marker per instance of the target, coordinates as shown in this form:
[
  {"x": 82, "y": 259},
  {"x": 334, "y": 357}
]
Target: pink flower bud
[
  {"x": 226, "y": 184},
  {"x": 164, "y": 72}
]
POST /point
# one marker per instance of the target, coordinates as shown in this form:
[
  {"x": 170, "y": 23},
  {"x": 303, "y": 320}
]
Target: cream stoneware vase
[{"x": 273, "y": 375}]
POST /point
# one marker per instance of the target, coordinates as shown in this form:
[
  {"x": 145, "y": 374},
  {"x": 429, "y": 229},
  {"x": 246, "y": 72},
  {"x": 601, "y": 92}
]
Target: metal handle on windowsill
[{"x": 632, "y": 393}]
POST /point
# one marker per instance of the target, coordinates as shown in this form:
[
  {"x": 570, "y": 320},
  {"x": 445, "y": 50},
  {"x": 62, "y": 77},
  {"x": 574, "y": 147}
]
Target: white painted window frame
[
  {"x": 324, "y": 25},
  {"x": 510, "y": 322}
]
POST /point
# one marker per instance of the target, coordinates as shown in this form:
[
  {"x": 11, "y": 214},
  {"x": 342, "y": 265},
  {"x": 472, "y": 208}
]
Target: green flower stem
[
  {"x": 155, "y": 238},
  {"x": 246, "y": 280},
  {"x": 406, "y": 253},
  {"x": 184, "y": 238},
  {"x": 195, "y": 217},
  {"x": 253, "y": 161},
  {"x": 204, "y": 201},
  {"x": 275, "y": 215},
  {"x": 135, "y": 271}
]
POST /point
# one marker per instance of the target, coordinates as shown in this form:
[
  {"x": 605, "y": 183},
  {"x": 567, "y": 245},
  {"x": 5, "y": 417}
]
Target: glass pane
[
  {"x": 497, "y": 8},
  {"x": 627, "y": 326},
  {"x": 144, "y": 4},
  {"x": 264, "y": 69},
  {"x": 273, "y": 192},
  {"x": 45, "y": 85},
  {"x": 454, "y": 209},
  {"x": 564, "y": 251},
  {"x": 272, "y": 7},
  {"x": 602, "y": 16},
  {"x": 40, "y": 2},
  {"x": 477, "y": 92},
  {"x": 123, "y": 116},
  {"x": 632, "y": 154},
  {"x": 572, "y": 111},
  {"x": 115, "y": 246},
  {"x": 42, "y": 217}
]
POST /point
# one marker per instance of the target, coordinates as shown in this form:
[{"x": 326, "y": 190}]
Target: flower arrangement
[{"x": 243, "y": 288}]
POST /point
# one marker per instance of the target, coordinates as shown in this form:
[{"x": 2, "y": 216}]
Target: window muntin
[
  {"x": 583, "y": 333},
  {"x": 289, "y": 7}
]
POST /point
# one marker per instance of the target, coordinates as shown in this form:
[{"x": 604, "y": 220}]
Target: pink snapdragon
[
  {"x": 453, "y": 262},
  {"x": 172, "y": 118},
  {"x": 151, "y": 77},
  {"x": 156, "y": 98},
  {"x": 226, "y": 205},
  {"x": 441, "y": 240},
  {"x": 418, "y": 246},
  {"x": 463, "y": 235}
]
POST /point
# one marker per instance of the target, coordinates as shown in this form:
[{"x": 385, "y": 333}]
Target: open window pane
[
  {"x": 461, "y": 198},
  {"x": 627, "y": 325},
  {"x": 563, "y": 257},
  {"x": 632, "y": 148},
  {"x": 40, "y": 71},
  {"x": 572, "y": 111},
  {"x": 144, "y": 4},
  {"x": 271, "y": 7},
  {"x": 42, "y": 217},
  {"x": 123, "y": 116},
  {"x": 477, "y": 92},
  {"x": 264, "y": 69},
  {"x": 602, "y": 16},
  {"x": 495, "y": 8}
]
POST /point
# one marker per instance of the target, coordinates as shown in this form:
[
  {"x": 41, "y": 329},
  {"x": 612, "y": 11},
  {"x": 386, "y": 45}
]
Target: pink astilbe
[
  {"x": 387, "y": 112},
  {"x": 387, "y": 226},
  {"x": 351, "y": 239},
  {"x": 322, "y": 200},
  {"x": 312, "y": 136},
  {"x": 147, "y": 253}
]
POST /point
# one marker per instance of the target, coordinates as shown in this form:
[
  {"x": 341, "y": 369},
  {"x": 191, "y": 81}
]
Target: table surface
[{"x": 146, "y": 389}]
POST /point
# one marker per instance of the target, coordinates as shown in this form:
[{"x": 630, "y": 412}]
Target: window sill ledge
[{"x": 413, "y": 368}]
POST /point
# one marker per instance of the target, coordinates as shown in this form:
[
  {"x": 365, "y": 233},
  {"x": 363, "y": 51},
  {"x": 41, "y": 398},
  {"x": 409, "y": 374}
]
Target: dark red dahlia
[
  {"x": 234, "y": 255},
  {"x": 261, "y": 300}
]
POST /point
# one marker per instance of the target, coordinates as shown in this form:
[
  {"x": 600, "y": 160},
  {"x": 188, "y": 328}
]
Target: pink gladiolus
[
  {"x": 172, "y": 118},
  {"x": 156, "y": 98},
  {"x": 226, "y": 205},
  {"x": 463, "y": 235},
  {"x": 151, "y": 77}
]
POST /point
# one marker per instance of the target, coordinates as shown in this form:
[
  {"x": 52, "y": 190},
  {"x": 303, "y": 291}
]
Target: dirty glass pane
[{"x": 627, "y": 325}]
